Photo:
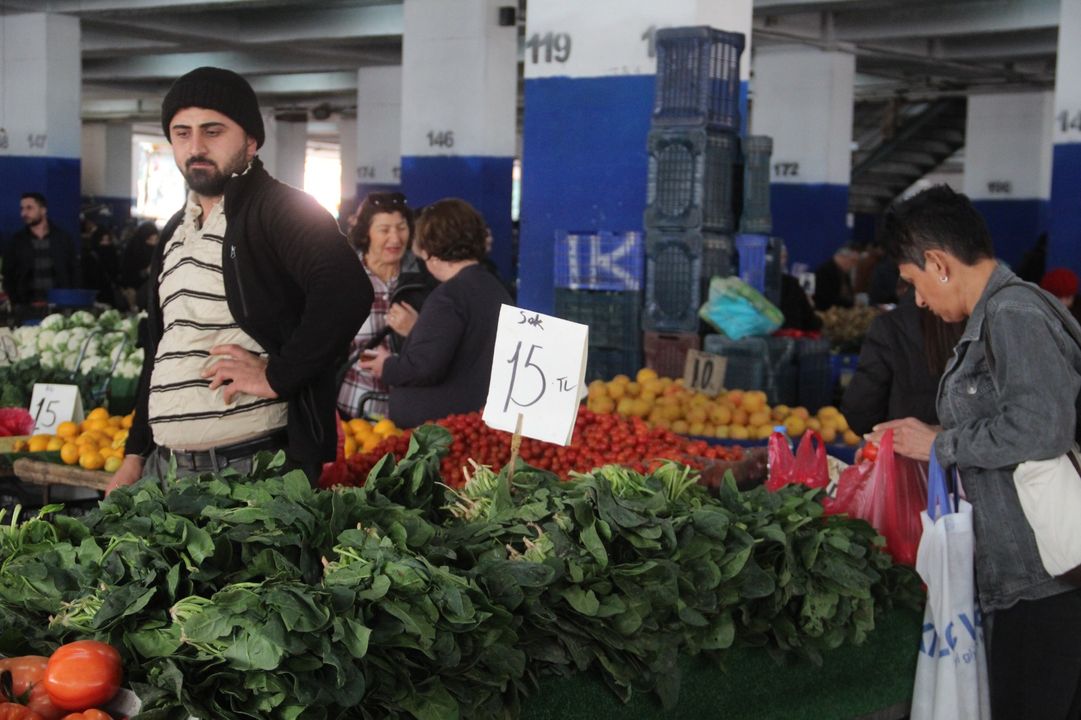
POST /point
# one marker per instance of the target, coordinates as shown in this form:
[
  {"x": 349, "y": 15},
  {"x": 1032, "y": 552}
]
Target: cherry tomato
[
  {"x": 27, "y": 688},
  {"x": 91, "y": 714},
  {"x": 83, "y": 674},
  {"x": 14, "y": 711},
  {"x": 870, "y": 451}
]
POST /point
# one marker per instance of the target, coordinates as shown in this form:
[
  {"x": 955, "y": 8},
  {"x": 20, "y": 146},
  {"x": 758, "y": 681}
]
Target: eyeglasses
[{"x": 388, "y": 200}]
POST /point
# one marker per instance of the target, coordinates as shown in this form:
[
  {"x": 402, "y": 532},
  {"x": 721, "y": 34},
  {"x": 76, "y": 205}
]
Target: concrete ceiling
[{"x": 303, "y": 54}]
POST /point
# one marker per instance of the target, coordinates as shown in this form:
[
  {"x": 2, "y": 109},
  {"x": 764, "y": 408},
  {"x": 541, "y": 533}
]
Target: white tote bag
[
  {"x": 1050, "y": 495},
  {"x": 951, "y": 673}
]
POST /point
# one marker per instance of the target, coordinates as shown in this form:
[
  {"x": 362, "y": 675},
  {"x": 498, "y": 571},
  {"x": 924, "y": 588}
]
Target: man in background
[{"x": 39, "y": 257}]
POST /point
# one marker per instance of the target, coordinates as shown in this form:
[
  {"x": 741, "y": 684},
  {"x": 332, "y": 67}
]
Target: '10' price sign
[
  {"x": 704, "y": 372},
  {"x": 538, "y": 372}
]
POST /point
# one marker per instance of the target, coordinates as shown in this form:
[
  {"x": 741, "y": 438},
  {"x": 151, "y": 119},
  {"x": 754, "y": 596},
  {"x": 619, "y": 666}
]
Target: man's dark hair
[
  {"x": 375, "y": 203},
  {"x": 451, "y": 230},
  {"x": 935, "y": 219},
  {"x": 36, "y": 197}
]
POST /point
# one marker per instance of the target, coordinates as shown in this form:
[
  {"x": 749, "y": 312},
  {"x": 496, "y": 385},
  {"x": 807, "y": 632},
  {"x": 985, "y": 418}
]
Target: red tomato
[
  {"x": 91, "y": 714},
  {"x": 26, "y": 685},
  {"x": 870, "y": 451},
  {"x": 14, "y": 711},
  {"x": 83, "y": 674}
]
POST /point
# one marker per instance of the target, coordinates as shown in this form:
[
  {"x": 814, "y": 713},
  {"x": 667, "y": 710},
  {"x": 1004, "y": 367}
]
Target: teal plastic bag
[{"x": 738, "y": 310}]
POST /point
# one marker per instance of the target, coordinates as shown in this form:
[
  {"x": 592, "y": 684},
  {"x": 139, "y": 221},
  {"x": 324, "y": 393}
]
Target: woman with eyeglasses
[
  {"x": 381, "y": 236},
  {"x": 446, "y": 360}
]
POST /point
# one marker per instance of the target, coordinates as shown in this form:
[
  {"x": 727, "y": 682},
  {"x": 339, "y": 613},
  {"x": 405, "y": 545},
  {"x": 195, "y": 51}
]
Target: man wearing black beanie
[{"x": 254, "y": 296}]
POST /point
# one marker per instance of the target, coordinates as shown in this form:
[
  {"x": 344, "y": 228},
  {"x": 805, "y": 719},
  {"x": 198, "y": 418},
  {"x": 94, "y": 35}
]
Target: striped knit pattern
[{"x": 183, "y": 414}]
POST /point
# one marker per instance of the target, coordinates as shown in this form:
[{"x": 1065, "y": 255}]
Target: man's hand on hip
[{"x": 239, "y": 371}]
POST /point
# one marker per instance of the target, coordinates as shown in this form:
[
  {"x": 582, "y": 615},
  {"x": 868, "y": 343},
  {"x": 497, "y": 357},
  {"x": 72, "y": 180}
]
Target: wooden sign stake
[{"x": 515, "y": 443}]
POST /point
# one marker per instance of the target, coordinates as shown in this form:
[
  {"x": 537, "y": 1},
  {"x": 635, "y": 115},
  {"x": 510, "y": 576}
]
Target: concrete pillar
[
  {"x": 589, "y": 84},
  {"x": 40, "y": 133},
  {"x": 347, "y": 144},
  {"x": 459, "y": 82},
  {"x": 291, "y": 148},
  {"x": 1064, "y": 242},
  {"x": 1008, "y": 167},
  {"x": 378, "y": 166},
  {"x": 802, "y": 97},
  {"x": 107, "y": 168}
]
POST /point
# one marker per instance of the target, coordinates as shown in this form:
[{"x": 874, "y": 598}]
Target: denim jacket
[{"x": 1020, "y": 406}]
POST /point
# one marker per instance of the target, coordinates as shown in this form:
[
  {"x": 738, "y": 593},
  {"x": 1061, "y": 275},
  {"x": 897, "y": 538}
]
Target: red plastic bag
[
  {"x": 807, "y": 467},
  {"x": 888, "y": 493}
]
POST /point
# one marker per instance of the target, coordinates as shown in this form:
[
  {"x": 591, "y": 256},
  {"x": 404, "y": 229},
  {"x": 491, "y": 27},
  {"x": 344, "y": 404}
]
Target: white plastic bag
[{"x": 951, "y": 673}]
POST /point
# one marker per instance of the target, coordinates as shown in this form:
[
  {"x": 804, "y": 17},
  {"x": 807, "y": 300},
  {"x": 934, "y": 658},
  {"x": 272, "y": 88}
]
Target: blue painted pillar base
[
  {"x": 584, "y": 167},
  {"x": 482, "y": 181},
  {"x": 810, "y": 219},
  {"x": 57, "y": 179},
  {"x": 1014, "y": 225},
  {"x": 1064, "y": 237}
]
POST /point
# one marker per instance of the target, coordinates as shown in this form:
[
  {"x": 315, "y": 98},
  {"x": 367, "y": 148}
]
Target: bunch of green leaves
[{"x": 812, "y": 582}]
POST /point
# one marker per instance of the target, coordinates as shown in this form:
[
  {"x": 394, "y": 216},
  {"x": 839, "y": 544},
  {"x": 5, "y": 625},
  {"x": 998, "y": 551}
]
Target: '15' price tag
[
  {"x": 53, "y": 404},
  {"x": 538, "y": 372},
  {"x": 704, "y": 372}
]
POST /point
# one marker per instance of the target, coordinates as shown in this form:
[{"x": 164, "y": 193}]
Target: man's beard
[{"x": 211, "y": 182}]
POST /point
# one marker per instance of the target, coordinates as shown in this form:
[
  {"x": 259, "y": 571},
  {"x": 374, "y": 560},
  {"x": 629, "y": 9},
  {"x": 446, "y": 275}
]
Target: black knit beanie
[{"x": 215, "y": 89}]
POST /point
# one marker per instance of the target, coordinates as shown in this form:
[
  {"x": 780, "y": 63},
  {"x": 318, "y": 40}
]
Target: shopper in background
[
  {"x": 100, "y": 264},
  {"x": 995, "y": 414},
  {"x": 796, "y": 307},
  {"x": 445, "y": 363},
  {"x": 902, "y": 358},
  {"x": 381, "y": 234},
  {"x": 135, "y": 264},
  {"x": 1062, "y": 283},
  {"x": 40, "y": 256},
  {"x": 1034, "y": 261},
  {"x": 833, "y": 280},
  {"x": 254, "y": 297}
]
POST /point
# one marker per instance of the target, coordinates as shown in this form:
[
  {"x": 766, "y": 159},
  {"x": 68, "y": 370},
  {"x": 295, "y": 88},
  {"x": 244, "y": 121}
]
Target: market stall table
[{"x": 37, "y": 472}]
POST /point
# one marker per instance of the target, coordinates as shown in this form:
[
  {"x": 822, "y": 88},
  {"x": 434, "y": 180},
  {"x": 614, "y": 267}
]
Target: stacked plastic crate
[
  {"x": 694, "y": 153},
  {"x": 598, "y": 282}
]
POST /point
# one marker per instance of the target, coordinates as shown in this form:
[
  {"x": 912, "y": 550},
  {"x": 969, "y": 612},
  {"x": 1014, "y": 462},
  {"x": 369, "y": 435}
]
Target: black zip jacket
[{"x": 296, "y": 287}]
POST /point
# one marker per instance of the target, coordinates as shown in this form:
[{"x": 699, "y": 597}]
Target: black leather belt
[{"x": 219, "y": 458}]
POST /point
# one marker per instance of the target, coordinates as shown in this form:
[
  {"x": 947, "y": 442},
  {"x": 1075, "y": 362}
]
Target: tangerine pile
[
  {"x": 363, "y": 436},
  {"x": 733, "y": 414},
  {"x": 97, "y": 443}
]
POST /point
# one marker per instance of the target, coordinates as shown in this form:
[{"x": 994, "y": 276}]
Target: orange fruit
[
  {"x": 91, "y": 460},
  {"x": 113, "y": 464},
  {"x": 356, "y": 424},
  {"x": 55, "y": 443},
  {"x": 384, "y": 427},
  {"x": 37, "y": 443},
  {"x": 67, "y": 429},
  {"x": 350, "y": 448},
  {"x": 125, "y": 422},
  {"x": 645, "y": 374},
  {"x": 69, "y": 453},
  {"x": 95, "y": 424},
  {"x": 98, "y": 413}
]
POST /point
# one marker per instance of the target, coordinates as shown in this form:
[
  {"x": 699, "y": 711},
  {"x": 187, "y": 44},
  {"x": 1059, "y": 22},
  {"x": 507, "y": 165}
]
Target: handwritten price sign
[{"x": 538, "y": 372}]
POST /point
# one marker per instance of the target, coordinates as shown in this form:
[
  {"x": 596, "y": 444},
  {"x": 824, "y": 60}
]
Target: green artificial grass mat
[{"x": 852, "y": 681}]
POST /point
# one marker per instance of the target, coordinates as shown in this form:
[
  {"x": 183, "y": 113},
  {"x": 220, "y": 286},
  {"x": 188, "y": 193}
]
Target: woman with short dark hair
[
  {"x": 1009, "y": 395},
  {"x": 445, "y": 363},
  {"x": 381, "y": 237}
]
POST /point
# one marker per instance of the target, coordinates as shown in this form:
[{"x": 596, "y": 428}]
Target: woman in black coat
[{"x": 901, "y": 361}]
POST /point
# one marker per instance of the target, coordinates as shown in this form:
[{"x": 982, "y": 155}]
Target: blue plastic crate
[
  {"x": 673, "y": 287},
  {"x": 760, "y": 264},
  {"x": 755, "y": 216},
  {"x": 605, "y": 363},
  {"x": 614, "y": 318},
  {"x": 698, "y": 78},
  {"x": 718, "y": 256},
  {"x": 72, "y": 297},
  {"x": 599, "y": 260},
  {"x": 842, "y": 367},
  {"x": 690, "y": 182}
]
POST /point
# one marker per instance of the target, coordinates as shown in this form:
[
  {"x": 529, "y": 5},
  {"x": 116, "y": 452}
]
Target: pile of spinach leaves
[{"x": 258, "y": 597}]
